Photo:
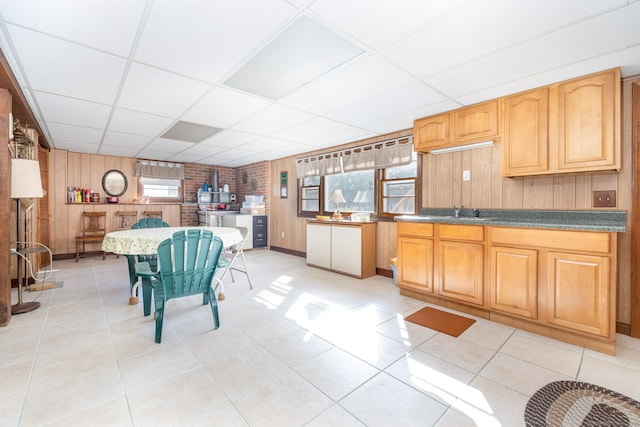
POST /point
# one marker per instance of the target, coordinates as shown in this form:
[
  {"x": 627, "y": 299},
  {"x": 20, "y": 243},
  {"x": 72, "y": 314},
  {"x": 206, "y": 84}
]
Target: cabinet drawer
[
  {"x": 463, "y": 232},
  {"x": 415, "y": 229},
  {"x": 589, "y": 241}
]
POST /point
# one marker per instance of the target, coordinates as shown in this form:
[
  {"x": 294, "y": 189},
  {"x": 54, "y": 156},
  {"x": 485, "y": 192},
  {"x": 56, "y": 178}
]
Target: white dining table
[{"x": 145, "y": 241}]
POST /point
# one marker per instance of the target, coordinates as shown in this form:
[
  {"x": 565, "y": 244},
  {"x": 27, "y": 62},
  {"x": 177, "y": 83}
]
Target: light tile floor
[{"x": 306, "y": 347}]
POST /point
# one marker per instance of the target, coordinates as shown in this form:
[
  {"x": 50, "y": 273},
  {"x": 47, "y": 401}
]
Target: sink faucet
[{"x": 457, "y": 211}]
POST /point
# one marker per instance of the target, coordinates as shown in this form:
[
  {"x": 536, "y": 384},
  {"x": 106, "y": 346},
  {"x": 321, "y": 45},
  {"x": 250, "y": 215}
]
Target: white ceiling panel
[
  {"x": 135, "y": 122},
  {"x": 121, "y": 139},
  {"x": 223, "y": 107},
  {"x": 352, "y": 82},
  {"x": 205, "y": 40},
  {"x": 72, "y": 111},
  {"x": 112, "y": 77},
  {"x": 114, "y": 150},
  {"x": 230, "y": 139},
  {"x": 376, "y": 22},
  {"x": 273, "y": 119},
  {"x": 310, "y": 129},
  {"x": 55, "y": 66},
  {"x": 75, "y": 133},
  {"x": 89, "y": 23},
  {"x": 565, "y": 46},
  {"x": 155, "y": 91}
]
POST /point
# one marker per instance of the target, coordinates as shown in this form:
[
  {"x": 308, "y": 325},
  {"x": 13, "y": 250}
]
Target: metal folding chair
[{"x": 228, "y": 258}]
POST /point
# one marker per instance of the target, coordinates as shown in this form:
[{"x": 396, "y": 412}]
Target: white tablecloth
[{"x": 145, "y": 241}]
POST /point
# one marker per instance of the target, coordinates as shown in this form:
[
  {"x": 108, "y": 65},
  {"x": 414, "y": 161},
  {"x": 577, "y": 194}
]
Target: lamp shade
[
  {"x": 25, "y": 179},
  {"x": 337, "y": 197}
]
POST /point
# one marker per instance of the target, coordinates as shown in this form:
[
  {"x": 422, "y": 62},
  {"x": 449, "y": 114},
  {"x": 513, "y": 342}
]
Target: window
[
  {"x": 398, "y": 184},
  {"x": 385, "y": 192},
  {"x": 309, "y": 196},
  {"x": 160, "y": 189}
]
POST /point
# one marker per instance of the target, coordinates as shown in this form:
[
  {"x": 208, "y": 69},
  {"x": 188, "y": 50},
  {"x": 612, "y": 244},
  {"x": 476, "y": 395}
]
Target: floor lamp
[{"x": 25, "y": 184}]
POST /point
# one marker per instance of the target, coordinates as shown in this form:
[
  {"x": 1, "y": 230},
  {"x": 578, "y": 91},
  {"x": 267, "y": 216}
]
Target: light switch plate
[{"x": 604, "y": 199}]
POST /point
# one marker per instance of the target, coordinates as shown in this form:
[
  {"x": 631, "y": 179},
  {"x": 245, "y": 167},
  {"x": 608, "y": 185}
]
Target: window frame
[
  {"x": 179, "y": 199},
  {"x": 378, "y": 189}
]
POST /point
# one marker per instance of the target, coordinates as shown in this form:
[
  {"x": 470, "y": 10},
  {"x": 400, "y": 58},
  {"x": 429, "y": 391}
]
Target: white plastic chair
[{"x": 228, "y": 258}]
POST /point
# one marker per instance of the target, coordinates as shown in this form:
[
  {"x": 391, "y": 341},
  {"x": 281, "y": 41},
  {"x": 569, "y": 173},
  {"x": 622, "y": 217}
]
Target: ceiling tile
[
  {"x": 120, "y": 139},
  {"x": 168, "y": 145},
  {"x": 376, "y": 22},
  {"x": 90, "y": 23},
  {"x": 72, "y": 111},
  {"x": 230, "y": 139},
  {"x": 61, "y": 131},
  {"x": 559, "y": 48},
  {"x": 224, "y": 107},
  {"x": 155, "y": 91},
  {"x": 199, "y": 38},
  {"x": 273, "y": 119},
  {"x": 266, "y": 144},
  {"x": 484, "y": 27},
  {"x": 353, "y": 82},
  {"x": 64, "y": 68},
  {"x": 310, "y": 129},
  {"x": 77, "y": 146},
  {"x": 130, "y": 121},
  {"x": 111, "y": 150}
]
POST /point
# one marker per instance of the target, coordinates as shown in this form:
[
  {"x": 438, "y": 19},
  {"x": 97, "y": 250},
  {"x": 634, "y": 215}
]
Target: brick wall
[
  {"x": 257, "y": 176},
  {"x": 195, "y": 175}
]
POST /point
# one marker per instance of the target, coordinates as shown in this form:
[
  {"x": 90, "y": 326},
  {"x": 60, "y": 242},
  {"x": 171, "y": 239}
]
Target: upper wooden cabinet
[
  {"x": 431, "y": 133},
  {"x": 476, "y": 123},
  {"x": 572, "y": 126},
  {"x": 525, "y": 147}
]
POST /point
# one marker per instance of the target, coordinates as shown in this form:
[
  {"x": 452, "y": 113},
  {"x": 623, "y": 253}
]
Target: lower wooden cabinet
[
  {"x": 344, "y": 247},
  {"x": 559, "y": 283}
]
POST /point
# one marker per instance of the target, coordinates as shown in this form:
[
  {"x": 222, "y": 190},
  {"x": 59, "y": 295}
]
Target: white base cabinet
[{"x": 346, "y": 247}]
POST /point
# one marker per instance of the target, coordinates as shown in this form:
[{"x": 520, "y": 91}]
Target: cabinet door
[
  {"x": 319, "y": 245},
  {"x": 461, "y": 271},
  {"x": 514, "y": 281},
  {"x": 346, "y": 250},
  {"x": 578, "y": 292},
  {"x": 415, "y": 263},
  {"x": 589, "y": 123},
  {"x": 476, "y": 123},
  {"x": 431, "y": 133},
  {"x": 525, "y": 144}
]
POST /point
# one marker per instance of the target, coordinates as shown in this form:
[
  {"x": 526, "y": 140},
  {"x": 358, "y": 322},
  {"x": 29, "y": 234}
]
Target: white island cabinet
[{"x": 344, "y": 247}]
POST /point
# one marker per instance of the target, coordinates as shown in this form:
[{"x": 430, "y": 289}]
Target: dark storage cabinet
[{"x": 259, "y": 231}]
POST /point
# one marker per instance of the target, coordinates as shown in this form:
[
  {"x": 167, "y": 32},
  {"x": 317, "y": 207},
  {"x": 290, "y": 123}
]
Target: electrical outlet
[
  {"x": 282, "y": 235},
  {"x": 604, "y": 199},
  {"x": 466, "y": 175}
]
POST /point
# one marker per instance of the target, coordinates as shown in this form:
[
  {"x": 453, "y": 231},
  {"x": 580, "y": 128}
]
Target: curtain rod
[{"x": 388, "y": 143}]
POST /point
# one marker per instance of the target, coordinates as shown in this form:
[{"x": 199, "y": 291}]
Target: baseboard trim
[{"x": 288, "y": 251}]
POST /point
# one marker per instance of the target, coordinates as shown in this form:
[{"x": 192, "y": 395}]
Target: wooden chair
[
  {"x": 126, "y": 219},
  {"x": 187, "y": 264},
  {"x": 93, "y": 231},
  {"x": 152, "y": 214}
]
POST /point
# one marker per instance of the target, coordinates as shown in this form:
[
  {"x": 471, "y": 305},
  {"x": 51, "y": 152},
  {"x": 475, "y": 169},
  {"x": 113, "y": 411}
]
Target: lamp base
[{"x": 24, "y": 307}]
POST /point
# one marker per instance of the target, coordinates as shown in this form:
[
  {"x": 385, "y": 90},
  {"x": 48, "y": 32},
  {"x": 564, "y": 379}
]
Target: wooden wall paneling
[
  {"x": 44, "y": 215},
  {"x": 512, "y": 194},
  {"x": 467, "y": 188},
  {"x": 584, "y": 198},
  {"x": 59, "y": 173},
  {"x": 481, "y": 178},
  {"x": 496, "y": 177},
  {"x": 445, "y": 193},
  {"x": 97, "y": 164},
  {"x": 455, "y": 178},
  {"x": 564, "y": 192},
  {"x": 538, "y": 192},
  {"x": 632, "y": 132}
]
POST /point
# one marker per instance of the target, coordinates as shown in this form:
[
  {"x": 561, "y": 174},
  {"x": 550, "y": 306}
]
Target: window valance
[
  {"x": 153, "y": 169},
  {"x": 396, "y": 152}
]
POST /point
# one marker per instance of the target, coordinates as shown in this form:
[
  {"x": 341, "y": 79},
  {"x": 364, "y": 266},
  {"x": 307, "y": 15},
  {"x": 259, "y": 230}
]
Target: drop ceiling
[{"x": 276, "y": 78}]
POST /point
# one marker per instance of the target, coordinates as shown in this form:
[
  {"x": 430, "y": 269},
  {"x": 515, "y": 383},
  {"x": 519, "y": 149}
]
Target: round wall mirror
[{"x": 114, "y": 183}]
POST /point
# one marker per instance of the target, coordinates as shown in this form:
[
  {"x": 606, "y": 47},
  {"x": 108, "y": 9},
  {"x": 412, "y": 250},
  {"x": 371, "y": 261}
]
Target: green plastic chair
[
  {"x": 151, "y": 259},
  {"x": 187, "y": 264}
]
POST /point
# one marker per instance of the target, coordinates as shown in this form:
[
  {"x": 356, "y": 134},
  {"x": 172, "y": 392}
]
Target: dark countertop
[{"x": 610, "y": 221}]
